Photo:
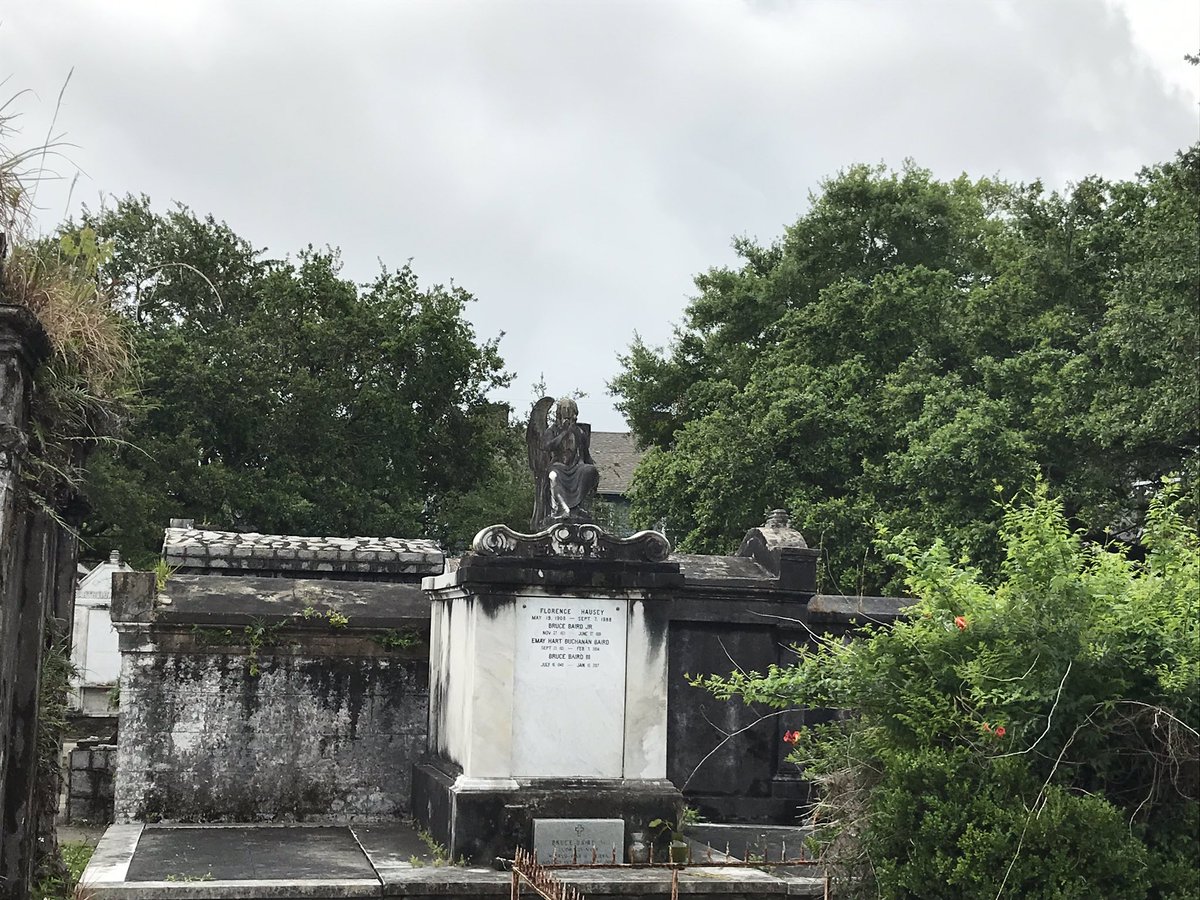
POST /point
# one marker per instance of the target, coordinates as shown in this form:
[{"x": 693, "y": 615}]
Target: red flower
[
  {"x": 791, "y": 737},
  {"x": 1000, "y": 731},
  {"x": 960, "y": 623}
]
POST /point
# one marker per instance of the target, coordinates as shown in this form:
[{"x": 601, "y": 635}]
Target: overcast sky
[{"x": 573, "y": 164}]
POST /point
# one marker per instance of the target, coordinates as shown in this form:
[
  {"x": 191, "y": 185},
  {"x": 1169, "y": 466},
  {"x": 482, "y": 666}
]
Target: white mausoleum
[{"x": 95, "y": 653}]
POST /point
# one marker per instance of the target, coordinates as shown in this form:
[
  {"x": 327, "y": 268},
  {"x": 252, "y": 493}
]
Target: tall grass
[
  {"x": 82, "y": 391},
  {"x": 63, "y": 292}
]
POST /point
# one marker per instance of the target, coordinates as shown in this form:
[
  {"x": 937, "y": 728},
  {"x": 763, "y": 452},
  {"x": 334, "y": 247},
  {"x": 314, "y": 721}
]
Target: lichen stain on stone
[{"x": 307, "y": 738}]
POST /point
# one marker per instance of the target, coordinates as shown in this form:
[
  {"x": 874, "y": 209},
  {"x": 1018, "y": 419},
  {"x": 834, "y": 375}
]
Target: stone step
[{"x": 248, "y": 862}]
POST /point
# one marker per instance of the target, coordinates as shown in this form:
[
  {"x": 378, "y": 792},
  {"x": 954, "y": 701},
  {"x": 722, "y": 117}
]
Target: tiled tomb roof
[
  {"x": 198, "y": 550},
  {"x": 616, "y": 455}
]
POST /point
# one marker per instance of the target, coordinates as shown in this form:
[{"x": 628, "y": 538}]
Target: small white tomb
[{"x": 94, "y": 649}]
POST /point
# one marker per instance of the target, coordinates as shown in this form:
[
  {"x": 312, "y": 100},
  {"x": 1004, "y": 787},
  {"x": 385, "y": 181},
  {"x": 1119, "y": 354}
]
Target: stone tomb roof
[
  {"x": 219, "y": 600},
  {"x": 195, "y": 550},
  {"x": 700, "y": 567}
]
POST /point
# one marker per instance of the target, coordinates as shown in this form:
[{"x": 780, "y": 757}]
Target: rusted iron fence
[{"x": 526, "y": 869}]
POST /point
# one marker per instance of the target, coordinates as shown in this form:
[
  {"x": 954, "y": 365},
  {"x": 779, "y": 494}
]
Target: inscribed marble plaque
[
  {"x": 575, "y": 840},
  {"x": 569, "y": 681}
]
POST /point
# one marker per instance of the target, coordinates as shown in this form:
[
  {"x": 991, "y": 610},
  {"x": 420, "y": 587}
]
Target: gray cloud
[{"x": 572, "y": 164}]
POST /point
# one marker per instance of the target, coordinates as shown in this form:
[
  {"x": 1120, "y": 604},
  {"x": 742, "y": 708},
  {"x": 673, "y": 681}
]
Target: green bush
[
  {"x": 63, "y": 883},
  {"x": 1032, "y": 737}
]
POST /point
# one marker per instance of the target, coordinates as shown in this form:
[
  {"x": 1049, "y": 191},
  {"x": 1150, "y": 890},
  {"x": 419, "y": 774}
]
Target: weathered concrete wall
[
  {"x": 37, "y": 583},
  {"x": 90, "y": 782},
  {"x": 307, "y": 738},
  {"x": 236, "y": 707}
]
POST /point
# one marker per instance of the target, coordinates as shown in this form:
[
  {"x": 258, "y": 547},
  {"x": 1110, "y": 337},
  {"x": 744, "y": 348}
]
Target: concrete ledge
[
  {"x": 732, "y": 881},
  {"x": 445, "y": 881},
  {"x": 299, "y": 889},
  {"x": 110, "y": 861},
  {"x": 241, "y": 599},
  {"x": 858, "y": 610},
  {"x": 386, "y": 848}
]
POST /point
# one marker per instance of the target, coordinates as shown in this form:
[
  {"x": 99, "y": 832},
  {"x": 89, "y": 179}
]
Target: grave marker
[{"x": 568, "y": 840}]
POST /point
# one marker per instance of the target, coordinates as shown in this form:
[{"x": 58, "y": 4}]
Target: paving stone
[
  {"x": 247, "y": 862},
  {"x": 248, "y": 853}
]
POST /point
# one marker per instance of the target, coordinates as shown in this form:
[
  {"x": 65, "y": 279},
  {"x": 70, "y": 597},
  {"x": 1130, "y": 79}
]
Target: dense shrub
[{"x": 1031, "y": 737}]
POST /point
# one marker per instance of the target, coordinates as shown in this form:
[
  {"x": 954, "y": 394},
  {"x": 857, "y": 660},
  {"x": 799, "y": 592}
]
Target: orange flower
[
  {"x": 960, "y": 623},
  {"x": 791, "y": 737},
  {"x": 1000, "y": 731},
  {"x": 987, "y": 727}
]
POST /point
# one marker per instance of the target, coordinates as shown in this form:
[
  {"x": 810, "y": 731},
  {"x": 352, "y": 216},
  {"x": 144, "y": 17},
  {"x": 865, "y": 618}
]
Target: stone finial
[
  {"x": 115, "y": 557},
  {"x": 781, "y": 550}
]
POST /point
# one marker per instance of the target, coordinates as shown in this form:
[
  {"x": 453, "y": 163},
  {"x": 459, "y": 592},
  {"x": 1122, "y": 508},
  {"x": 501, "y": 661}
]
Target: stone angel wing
[{"x": 539, "y": 460}]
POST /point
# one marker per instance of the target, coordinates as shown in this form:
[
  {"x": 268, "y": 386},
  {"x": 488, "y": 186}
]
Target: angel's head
[{"x": 566, "y": 411}]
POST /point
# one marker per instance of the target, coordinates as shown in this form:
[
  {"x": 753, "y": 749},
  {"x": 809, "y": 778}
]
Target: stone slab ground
[{"x": 249, "y": 862}]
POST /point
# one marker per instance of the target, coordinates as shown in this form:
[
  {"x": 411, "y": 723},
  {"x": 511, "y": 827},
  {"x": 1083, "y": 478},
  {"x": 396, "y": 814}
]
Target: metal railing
[{"x": 527, "y": 869}]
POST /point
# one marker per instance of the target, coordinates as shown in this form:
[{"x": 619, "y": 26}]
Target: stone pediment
[{"x": 571, "y": 540}]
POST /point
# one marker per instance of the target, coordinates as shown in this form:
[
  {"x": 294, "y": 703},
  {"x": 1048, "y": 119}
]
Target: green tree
[
  {"x": 281, "y": 397},
  {"x": 907, "y": 344},
  {"x": 1146, "y": 408},
  {"x": 1035, "y": 736}
]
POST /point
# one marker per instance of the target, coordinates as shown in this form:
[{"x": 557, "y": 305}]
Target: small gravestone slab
[{"x": 567, "y": 840}]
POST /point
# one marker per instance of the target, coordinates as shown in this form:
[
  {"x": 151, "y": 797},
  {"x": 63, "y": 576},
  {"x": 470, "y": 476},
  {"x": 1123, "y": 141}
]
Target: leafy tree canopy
[
  {"x": 1035, "y": 736},
  {"x": 281, "y": 397},
  {"x": 909, "y": 343}
]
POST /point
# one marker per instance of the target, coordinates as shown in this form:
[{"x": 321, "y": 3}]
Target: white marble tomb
[{"x": 542, "y": 686}]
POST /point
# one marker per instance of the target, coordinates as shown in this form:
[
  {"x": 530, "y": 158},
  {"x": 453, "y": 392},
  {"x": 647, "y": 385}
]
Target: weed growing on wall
[
  {"x": 162, "y": 574},
  {"x": 332, "y": 616},
  {"x": 258, "y": 636},
  {"x": 1036, "y": 736},
  {"x": 255, "y": 637},
  {"x": 399, "y": 639},
  {"x": 437, "y": 855},
  {"x": 82, "y": 393},
  {"x": 261, "y": 635}
]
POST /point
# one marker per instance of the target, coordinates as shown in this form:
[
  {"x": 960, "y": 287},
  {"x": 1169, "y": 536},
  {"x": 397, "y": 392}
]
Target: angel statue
[{"x": 565, "y": 477}]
